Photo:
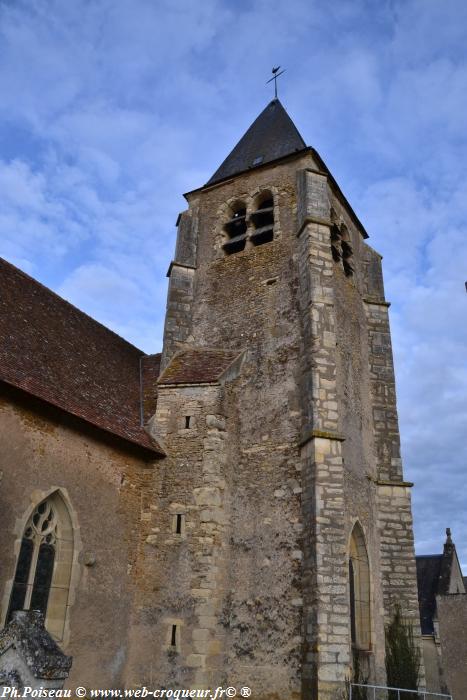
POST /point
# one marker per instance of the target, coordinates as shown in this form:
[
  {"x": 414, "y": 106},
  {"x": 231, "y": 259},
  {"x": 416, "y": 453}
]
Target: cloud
[
  {"x": 111, "y": 110},
  {"x": 421, "y": 229}
]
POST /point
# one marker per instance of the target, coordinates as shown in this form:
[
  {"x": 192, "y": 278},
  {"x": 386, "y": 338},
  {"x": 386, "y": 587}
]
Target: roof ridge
[
  {"x": 271, "y": 136},
  {"x": 76, "y": 308}
]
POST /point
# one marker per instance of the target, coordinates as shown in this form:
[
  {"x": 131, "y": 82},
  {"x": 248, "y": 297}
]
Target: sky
[{"x": 110, "y": 110}]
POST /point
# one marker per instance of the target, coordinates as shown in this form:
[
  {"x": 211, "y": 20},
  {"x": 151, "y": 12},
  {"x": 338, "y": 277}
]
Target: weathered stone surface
[
  {"x": 452, "y": 615},
  {"x": 228, "y": 560},
  {"x": 29, "y": 656}
]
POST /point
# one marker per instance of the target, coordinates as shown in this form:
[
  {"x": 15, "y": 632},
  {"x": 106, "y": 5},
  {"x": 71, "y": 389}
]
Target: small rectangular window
[
  {"x": 178, "y": 524},
  {"x": 187, "y": 421}
]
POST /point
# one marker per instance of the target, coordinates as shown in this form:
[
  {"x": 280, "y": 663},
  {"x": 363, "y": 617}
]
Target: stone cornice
[
  {"x": 326, "y": 434},
  {"x": 313, "y": 220},
  {"x": 376, "y": 302},
  {"x": 174, "y": 263},
  {"x": 400, "y": 484}
]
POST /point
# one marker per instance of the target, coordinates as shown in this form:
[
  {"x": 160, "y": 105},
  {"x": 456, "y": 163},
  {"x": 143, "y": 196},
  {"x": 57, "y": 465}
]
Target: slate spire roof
[{"x": 272, "y": 135}]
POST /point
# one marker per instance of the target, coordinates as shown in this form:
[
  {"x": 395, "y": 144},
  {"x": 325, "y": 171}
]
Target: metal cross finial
[{"x": 275, "y": 75}]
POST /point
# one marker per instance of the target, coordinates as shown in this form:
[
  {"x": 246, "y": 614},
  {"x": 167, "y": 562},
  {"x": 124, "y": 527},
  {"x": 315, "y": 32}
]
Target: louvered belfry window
[
  {"x": 263, "y": 220},
  {"x": 248, "y": 228},
  {"x": 236, "y": 229}
]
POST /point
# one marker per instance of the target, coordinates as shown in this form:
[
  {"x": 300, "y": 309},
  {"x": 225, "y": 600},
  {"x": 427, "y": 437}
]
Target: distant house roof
[
  {"x": 198, "y": 366},
  {"x": 434, "y": 576},
  {"x": 272, "y": 135},
  {"x": 57, "y": 353},
  {"x": 428, "y": 571}
]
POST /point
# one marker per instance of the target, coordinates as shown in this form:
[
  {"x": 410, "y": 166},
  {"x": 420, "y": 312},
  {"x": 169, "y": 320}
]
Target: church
[{"x": 232, "y": 511}]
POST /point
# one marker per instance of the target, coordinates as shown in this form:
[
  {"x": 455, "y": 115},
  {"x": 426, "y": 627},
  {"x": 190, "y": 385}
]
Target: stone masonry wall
[
  {"x": 327, "y": 651},
  {"x": 104, "y": 486},
  {"x": 338, "y": 361},
  {"x": 356, "y": 426},
  {"x": 372, "y": 447},
  {"x": 248, "y": 301},
  {"x": 183, "y": 575},
  {"x": 394, "y": 501},
  {"x": 306, "y": 442},
  {"x": 452, "y": 614},
  {"x": 180, "y": 291}
]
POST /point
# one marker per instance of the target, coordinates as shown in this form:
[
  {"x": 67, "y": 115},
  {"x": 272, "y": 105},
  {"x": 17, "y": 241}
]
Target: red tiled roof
[
  {"x": 57, "y": 353},
  {"x": 197, "y": 366}
]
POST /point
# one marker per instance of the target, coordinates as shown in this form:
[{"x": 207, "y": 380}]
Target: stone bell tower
[{"x": 287, "y": 519}]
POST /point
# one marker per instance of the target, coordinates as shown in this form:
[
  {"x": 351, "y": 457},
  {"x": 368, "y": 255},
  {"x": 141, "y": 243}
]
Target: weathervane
[{"x": 275, "y": 75}]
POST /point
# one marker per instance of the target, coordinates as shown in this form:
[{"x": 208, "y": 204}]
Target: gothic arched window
[
  {"x": 359, "y": 589},
  {"x": 43, "y": 569}
]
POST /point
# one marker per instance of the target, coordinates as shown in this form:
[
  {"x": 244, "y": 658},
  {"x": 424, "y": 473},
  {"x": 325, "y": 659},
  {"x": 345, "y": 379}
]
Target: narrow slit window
[
  {"x": 173, "y": 637},
  {"x": 178, "y": 523},
  {"x": 187, "y": 421}
]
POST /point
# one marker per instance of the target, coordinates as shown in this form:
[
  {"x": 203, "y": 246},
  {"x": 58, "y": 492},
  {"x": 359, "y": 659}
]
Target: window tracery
[
  {"x": 43, "y": 569},
  {"x": 35, "y": 562}
]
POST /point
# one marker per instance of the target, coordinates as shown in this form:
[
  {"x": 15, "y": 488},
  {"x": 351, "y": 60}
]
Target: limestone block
[
  {"x": 201, "y": 634},
  {"x": 215, "y": 422},
  {"x": 200, "y": 592},
  {"x": 207, "y": 496},
  {"x": 331, "y": 672},
  {"x": 200, "y": 646},
  {"x": 195, "y": 660}
]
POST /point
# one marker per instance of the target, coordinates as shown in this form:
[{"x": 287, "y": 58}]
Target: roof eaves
[
  {"x": 290, "y": 156},
  {"x": 149, "y": 446},
  {"x": 262, "y": 166},
  {"x": 339, "y": 192}
]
